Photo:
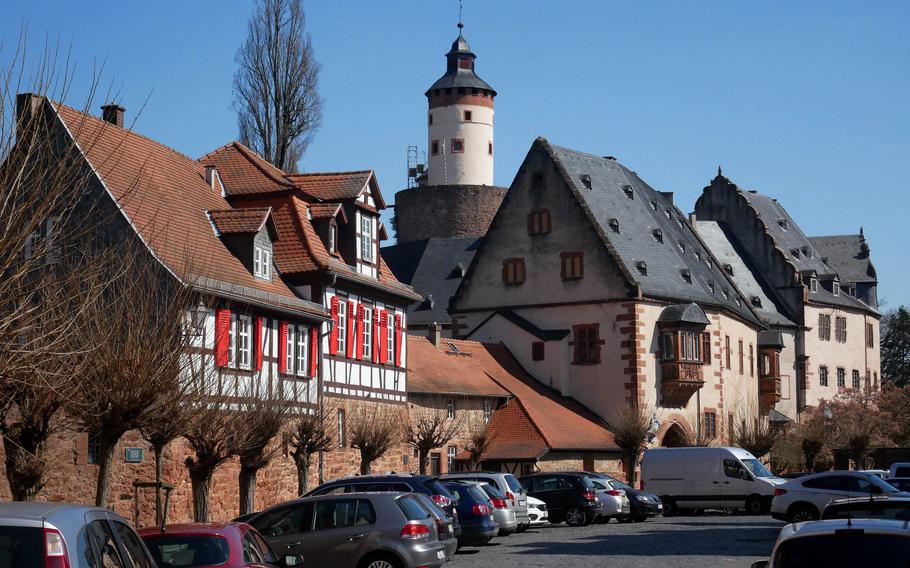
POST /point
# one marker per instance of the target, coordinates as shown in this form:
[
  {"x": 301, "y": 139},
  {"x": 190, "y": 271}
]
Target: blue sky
[{"x": 807, "y": 101}]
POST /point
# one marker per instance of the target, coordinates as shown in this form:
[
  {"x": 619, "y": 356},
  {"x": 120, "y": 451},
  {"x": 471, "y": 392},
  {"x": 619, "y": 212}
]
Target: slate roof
[
  {"x": 681, "y": 267},
  {"x": 716, "y": 236},
  {"x": 848, "y": 255},
  {"x": 433, "y": 370},
  {"x": 164, "y": 196},
  {"x": 433, "y": 268},
  {"x": 771, "y": 338},
  {"x": 455, "y": 75},
  {"x": 684, "y": 313},
  {"x": 332, "y": 186},
  {"x": 231, "y": 221}
]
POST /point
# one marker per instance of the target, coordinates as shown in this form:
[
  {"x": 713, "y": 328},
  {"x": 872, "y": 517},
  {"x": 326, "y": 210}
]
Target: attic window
[
  {"x": 738, "y": 302},
  {"x": 262, "y": 262},
  {"x": 697, "y": 254},
  {"x": 795, "y": 253},
  {"x": 627, "y": 189},
  {"x": 614, "y": 225},
  {"x": 667, "y": 213},
  {"x": 728, "y": 268},
  {"x": 725, "y": 293},
  {"x": 453, "y": 347},
  {"x": 711, "y": 286},
  {"x": 709, "y": 263},
  {"x": 813, "y": 285},
  {"x": 586, "y": 180},
  {"x": 756, "y": 301},
  {"x": 686, "y": 275},
  {"x": 806, "y": 252},
  {"x": 825, "y": 260},
  {"x": 658, "y": 235},
  {"x": 642, "y": 267},
  {"x": 835, "y": 288},
  {"x": 333, "y": 236},
  {"x": 679, "y": 222},
  {"x": 682, "y": 246},
  {"x": 654, "y": 205},
  {"x": 782, "y": 223}
]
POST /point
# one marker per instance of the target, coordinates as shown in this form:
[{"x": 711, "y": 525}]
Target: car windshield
[
  {"x": 895, "y": 511},
  {"x": 757, "y": 469},
  {"x": 492, "y": 491},
  {"x": 188, "y": 551},
  {"x": 514, "y": 484},
  {"x": 844, "y": 548},
  {"x": 431, "y": 505},
  {"x": 620, "y": 485},
  {"x": 21, "y": 547},
  {"x": 586, "y": 481},
  {"x": 886, "y": 487},
  {"x": 476, "y": 493},
  {"x": 439, "y": 489}
]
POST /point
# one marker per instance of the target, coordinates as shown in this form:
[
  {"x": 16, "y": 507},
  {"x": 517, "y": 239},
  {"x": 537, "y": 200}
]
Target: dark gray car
[
  {"x": 35, "y": 535},
  {"x": 354, "y": 530}
]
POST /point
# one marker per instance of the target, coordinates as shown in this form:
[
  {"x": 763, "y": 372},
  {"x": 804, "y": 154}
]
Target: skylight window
[
  {"x": 614, "y": 225},
  {"x": 682, "y": 247},
  {"x": 627, "y": 189},
  {"x": 756, "y": 301},
  {"x": 654, "y": 205},
  {"x": 698, "y": 255},
  {"x": 795, "y": 253},
  {"x": 711, "y": 286},
  {"x": 642, "y": 267},
  {"x": 686, "y": 275},
  {"x": 586, "y": 180},
  {"x": 728, "y": 268},
  {"x": 658, "y": 235},
  {"x": 725, "y": 294},
  {"x": 667, "y": 213},
  {"x": 782, "y": 223}
]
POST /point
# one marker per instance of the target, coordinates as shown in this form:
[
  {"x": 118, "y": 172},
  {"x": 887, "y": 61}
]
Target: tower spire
[{"x": 460, "y": 21}]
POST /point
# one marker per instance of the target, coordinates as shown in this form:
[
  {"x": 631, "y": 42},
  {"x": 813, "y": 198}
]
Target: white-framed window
[
  {"x": 232, "y": 342},
  {"x": 366, "y": 238},
  {"x": 390, "y": 338},
  {"x": 813, "y": 285},
  {"x": 262, "y": 263},
  {"x": 301, "y": 352},
  {"x": 487, "y": 410},
  {"x": 367, "y": 333},
  {"x": 342, "y": 326},
  {"x": 289, "y": 357},
  {"x": 450, "y": 409},
  {"x": 333, "y": 236},
  {"x": 244, "y": 341},
  {"x": 836, "y": 289},
  {"x": 451, "y": 452}
]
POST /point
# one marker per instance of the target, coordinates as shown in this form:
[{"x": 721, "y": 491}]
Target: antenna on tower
[{"x": 460, "y": 21}]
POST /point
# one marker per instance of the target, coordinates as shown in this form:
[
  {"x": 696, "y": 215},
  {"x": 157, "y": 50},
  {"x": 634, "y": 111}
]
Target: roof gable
[
  {"x": 244, "y": 172},
  {"x": 244, "y": 220},
  {"x": 338, "y": 186},
  {"x": 441, "y": 371}
]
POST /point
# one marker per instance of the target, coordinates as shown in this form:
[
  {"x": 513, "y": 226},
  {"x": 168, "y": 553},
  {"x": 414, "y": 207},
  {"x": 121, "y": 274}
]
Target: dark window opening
[{"x": 537, "y": 351}]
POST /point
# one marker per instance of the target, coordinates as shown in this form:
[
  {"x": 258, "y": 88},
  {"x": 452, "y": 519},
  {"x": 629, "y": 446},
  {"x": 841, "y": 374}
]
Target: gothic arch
[{"x": 675, "y": 432}]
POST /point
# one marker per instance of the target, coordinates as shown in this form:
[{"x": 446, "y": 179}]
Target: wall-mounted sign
[{"x": 133, "y": 455}]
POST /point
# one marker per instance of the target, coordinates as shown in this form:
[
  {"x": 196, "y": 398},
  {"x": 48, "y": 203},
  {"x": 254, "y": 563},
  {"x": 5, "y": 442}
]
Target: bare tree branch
[
  {"x": 374, "y": 429},
  {"x": 308, "y": 435}
]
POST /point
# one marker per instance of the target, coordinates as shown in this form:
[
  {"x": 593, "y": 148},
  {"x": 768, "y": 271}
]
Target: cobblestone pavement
[{"x": 704, "y": 541}]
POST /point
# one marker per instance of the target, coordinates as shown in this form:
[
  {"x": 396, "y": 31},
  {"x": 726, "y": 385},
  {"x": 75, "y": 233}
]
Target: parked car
[
  {"x": 478, "y": 526},
  {"x": 879, "y": 473},
  {"x": 445, "y": 527},
  {"x": 899, "y": 469},
  {"x": 902, "y": 483},
  {"x": 503, "y": 513},
  {"x": 641, "y": 504},
  {"x": 697, "y": 478},
  {"x": 61, "y": 535},
  {"x": 391, "y": 482},
  {"x": 804, "y": 499},
  {"x": 884, "y": 507},
  {"x": 354, "y": 530},
  {"x": 613, "y": 502},
  {"x": 794, "y": 474},
  {"x": 537, "y": 511},
  {"x": 508, "y": 484},
  {"x": 840, "y": 543},
  {"x": 228, "y": 545},
  {"x": 570, "y": 497}
]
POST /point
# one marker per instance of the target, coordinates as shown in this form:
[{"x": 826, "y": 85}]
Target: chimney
[
  {"x": 435, "y": 333},
  {"x": 26, "y": 107},
  {"x": 213, "y": 179},
  {"x": 692, "y": 219},
  {"x": 113, "y": 113}
]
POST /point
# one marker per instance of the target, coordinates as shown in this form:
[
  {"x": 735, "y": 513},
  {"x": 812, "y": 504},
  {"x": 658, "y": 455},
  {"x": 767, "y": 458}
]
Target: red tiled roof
[
  {"x": 563, "y": 422},
  {"x": 164, "y": 196},
  {"x": 513, "y": 435},
  {"x": 430, "y": 370},
  {"x": 246, "y": 171},
  {"x": 327, "y": 211},
  {"x": 332, "y": 186},
  {"x": 250, "y": 220}
]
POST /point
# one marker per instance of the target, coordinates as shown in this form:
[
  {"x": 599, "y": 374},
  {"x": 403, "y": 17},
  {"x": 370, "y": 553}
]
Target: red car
[{"x": 200, "y": 545}]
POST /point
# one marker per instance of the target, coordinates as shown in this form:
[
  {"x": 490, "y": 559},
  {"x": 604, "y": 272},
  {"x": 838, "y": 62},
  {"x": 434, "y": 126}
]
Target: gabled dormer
[
  {"x": 328, "y": 219},
  {"x": 248, "y": 234}
]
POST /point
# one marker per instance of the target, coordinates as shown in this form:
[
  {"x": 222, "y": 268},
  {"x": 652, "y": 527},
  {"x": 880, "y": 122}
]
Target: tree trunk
[
  {"x": 159, "y": 475},
  {"x": 102, "y": 489},
  {"x": 201, "y": 483},
  {"x": 303, "y": 471},
  {"x": 247, "y": 480},
  {"x": 423, "y": 460},
  {"x": 364, "y": 465}
]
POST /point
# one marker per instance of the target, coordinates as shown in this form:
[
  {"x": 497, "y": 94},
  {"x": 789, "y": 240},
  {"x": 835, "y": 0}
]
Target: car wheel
[
  {"x": 624, "y": 519},
  {"x": 803, "y": 513},
  {"x": 755, "y": 505},
  {"x": 640, "y": 518},
  {"x": 380, "y": 561},
  {"x": 575, "y": 517},
  {"x": 669, "y": 506}
]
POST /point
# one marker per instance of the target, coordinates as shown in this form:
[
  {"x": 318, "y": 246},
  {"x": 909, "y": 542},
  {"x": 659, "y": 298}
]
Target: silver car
[
  {"x": 508, "y": 484},
  {"x": 445, "y": 525},
  {"x": 613, "y": 502},
  {"x": 502, "y": 509},
  {"x": 35, "y": 535},
  {"x": 362, "y": 530}
]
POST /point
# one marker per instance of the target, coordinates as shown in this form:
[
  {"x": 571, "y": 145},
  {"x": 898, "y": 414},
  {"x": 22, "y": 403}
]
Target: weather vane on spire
[{"x": 460, "y": 24}]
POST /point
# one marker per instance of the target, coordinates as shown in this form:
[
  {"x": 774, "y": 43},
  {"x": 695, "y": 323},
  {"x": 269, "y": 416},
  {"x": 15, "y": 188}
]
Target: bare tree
[
  {"x": 630, "y": 426},
  {"x": 427, "y": 430},
  {"x": 263, "y": 418},
  {"x": 479, "y": 440},
  {"x": 276, "y": 84},
  {"x": 373, "y": 431},
  {"x": 306, "y": 436},
  {"x": 755, "y": 435}
]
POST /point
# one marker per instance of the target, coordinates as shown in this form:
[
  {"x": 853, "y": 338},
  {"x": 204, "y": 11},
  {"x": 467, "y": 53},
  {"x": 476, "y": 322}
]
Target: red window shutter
[
  {"x": 399, "y": 337},
  {"x": 314, "y": 351},
  {"x": 352, "y": 325},
  {"x": 359, "y": 340},
  {"x": 283, "y": 347},
  {"x": 333, "y": 335},
  {"x": 259, "y": 341},
  {"x": 222, "y": 336},
  {"x": 376, "y": 343},
  {"x": 383, "y": 337}
]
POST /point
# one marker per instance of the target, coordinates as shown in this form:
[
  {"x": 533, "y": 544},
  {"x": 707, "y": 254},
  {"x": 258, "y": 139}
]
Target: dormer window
[
  {"x": 686, "y": 275},
  {"x": 614, "y": 225},
  {"x": 642, "y": 267},
  {"x": 782, "y": 223},
  {"x": 627, "y": 189},
  {"x": 262, "y": 262},
  {"x": 835, "y": 288},
  {"x": 658, "y": 235},
  {"x": 366, "y": 238},
  {"x": 333, "y": 237},
  {"x": 813, "y": 285}
]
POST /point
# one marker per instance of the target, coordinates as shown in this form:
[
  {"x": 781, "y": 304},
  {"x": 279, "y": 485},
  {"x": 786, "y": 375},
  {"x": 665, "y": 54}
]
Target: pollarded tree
[
  {"x": 630, "y": 426},
  {"x": 307, "y": 436},
  {"x": 428, "y": 430},
  {"x": 263, "y": 418},
  {"x": 480, "y": 437},
  {"x": 754, "y": 435},
  {"x": 374, "y": 428}
]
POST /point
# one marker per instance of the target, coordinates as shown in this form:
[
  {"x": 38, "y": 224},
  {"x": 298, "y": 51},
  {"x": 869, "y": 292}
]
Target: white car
[
  {"x": 537, "y": 511},
  {"x": 840, "y": 542},
  {"x": 804, "y": 498},
  {"x": 899, "y": 469}
]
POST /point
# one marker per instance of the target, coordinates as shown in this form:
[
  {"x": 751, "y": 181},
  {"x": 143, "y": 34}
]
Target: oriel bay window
[
  {"x": 685, "y": 347},
  {"x": 690, "y": 346}
]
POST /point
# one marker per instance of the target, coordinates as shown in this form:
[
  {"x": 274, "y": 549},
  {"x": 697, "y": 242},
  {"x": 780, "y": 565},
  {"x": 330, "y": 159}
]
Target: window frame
[
  {"x": 455, "y": 142},
  {"x": 450, "y": 409},
  {"x": 539, "y": 222},
  {"x": 572, "y": 265},
  {"x": 367, "y": 333},
  {"x": 586, "y": 344},
  {"x": 341, "y": 428},
  {"x": 333, "y": 236},
  {"x": 855, "y": 379},
  {"x": 514, "y": 272},
  {"x": 841, "y": 374},
  {"x": 342, "y": 325},
  {"x": 468, "y": 116},
  {"x": 301, "y": 354},
  {"x": 538, "y": 351},
  {"x": 244, "y": 347},
  {"x": 434, "y": 148},
  {"x": 367, "y": 252},
  {"x": 487, "y": 410},
  {"x": 710, "y": 432},
  {"x": 291, "y": 348},
  {"x": 822, "y": 375}
]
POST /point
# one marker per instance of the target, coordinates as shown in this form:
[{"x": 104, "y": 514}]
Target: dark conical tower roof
[{"x": 460, "y": 68}]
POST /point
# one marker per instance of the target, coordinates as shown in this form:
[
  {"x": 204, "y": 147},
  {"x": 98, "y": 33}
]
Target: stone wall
[{"x": 445, "y": 211}]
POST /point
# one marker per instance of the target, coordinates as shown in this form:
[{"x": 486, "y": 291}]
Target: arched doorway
[{"x": 674, "y": 437}]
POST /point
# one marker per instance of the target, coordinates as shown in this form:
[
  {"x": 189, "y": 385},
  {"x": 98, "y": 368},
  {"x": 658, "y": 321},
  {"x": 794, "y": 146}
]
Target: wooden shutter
[
  {"x": 314, "y": 351},
  {"x": 333, "y": 336},
  {"x": 283, "y": 347},
  {"x": 352, "y": 326},
  {"x": 259, "y": 341},
  {"x": 399, "y": 338},
  {"x": 359, "y": 335},
  {"x": 384, "y": 337},
  {"x": 222, "y": 336}
]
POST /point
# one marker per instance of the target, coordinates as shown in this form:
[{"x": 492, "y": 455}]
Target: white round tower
[{"x": 460, "y": 122}]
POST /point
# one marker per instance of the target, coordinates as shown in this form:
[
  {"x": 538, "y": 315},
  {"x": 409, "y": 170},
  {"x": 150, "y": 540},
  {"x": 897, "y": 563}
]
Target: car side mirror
[
  {"x": 760, "y": 564},
  {"x": 290, "y": 560}
]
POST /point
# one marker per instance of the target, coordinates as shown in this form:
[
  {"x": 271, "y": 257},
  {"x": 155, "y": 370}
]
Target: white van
[{"x": 700, "y": 478}]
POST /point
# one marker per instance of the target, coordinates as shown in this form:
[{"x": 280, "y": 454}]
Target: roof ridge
[
  {"x": 247, "y": 152},
  {"x": 306, "y": 240},
  {"x": 346, "y": 172}
]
